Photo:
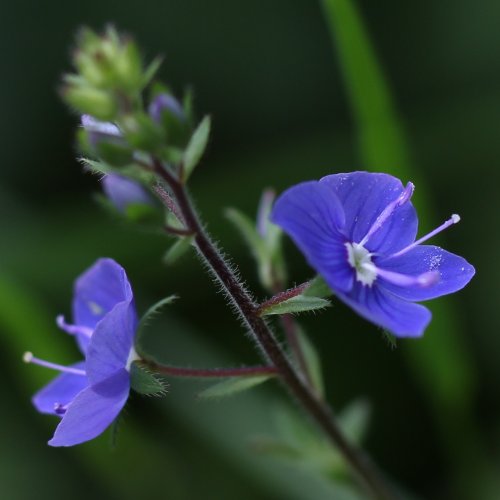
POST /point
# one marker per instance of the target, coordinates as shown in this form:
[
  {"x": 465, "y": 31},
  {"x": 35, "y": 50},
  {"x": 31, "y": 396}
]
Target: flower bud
[
  {"x": 123, "y": 192},
  {"x": 91, "y": 101},
  {"x": 165, "y": 103}
]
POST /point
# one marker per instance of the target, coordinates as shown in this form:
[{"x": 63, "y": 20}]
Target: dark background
[{"x": 268, "y": 75}]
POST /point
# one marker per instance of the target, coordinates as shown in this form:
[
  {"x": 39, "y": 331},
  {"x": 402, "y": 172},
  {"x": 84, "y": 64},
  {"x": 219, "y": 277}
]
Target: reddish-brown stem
[
  {"x": 177, "y": 371},
  {"x": 267, "y": 343}
]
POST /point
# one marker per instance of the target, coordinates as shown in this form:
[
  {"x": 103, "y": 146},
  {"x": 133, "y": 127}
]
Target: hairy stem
[
  {"x": 177, "y": 371},
  {"x": 269, "y": 346}
]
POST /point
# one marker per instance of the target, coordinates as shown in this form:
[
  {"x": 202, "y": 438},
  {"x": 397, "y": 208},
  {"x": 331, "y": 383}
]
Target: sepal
[
  {"x": 144, "y": 382},
  {"x": 178, "y": 250}
]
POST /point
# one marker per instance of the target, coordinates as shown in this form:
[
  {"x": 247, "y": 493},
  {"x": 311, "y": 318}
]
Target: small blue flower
[
  {"x": 358, "y": 231},
  {"x": 90, "y": 394},
  {"x": 123, "y": 192},
  {"x": 165, "y": 103}
]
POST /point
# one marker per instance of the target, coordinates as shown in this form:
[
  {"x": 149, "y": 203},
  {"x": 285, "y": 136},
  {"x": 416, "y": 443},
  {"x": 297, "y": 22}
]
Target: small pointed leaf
[
  {"x": 233, "y": 386},
  {"x": 153, "y": 311},
  {"x": 177, "y": 250},
  {"x": 312, "y": 360},
  {"x": 145, "y": 382},
  {"x": 354, "y": 419},
  {"x": 196, "y": 146},
  {"x": 248, "y": 231},
  {"x": 151, "y": 70},
  {"x": 297, "y": 304},
  {"x": 317, "y": 288}
]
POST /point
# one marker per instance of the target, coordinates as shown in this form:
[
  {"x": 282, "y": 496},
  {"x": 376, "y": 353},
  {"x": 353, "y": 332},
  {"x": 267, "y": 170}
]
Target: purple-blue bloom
[
  {"x": 165, "y": 102},
  {"x": 123, "y": 192},
  {"x": 358, "y": 231},
  {"x": 90, "y": 394}
]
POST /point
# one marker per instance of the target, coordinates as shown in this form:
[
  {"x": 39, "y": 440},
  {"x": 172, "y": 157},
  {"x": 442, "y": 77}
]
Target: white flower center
[
  {"x": 360, "y": 260},
  {"x": 132, "y": 356}
]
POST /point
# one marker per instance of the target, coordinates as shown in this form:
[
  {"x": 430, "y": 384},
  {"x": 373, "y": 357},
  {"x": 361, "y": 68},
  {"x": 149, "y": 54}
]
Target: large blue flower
[
  {"x": 358, "y": 231},
  {"x": 89, "y": 395}
]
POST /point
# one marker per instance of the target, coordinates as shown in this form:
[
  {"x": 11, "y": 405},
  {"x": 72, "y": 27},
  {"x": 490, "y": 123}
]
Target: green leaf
[
  {"x": 248, "y": 231},
  {"x": 196, "y": 146},
  {"x": 233, "y": 386},
  {"x": 317, "y": 288},
  {"x": 153, "y": 311},
  {"x": 151, "y": 70},
  {"x": 354, "y": 419},
  {"x": 297, "y": 304},
  {"x": 177, "y": 250},
  {"x": 313, "y": 361},
  {"x": 145, "y": 382}
]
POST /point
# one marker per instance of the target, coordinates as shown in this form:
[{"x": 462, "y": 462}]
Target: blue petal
[
  {"x": 61, "y": 391},
  {"x": 92, "y": 411},
  {"x": 98, "y": 290},
  {"x": 313, "y": 217},
  {"x": 402, "y": 318},
  {"x": 123, "y": 192},
  {"x": 364, "y": 196},
  {"x": 454, "y": 272},
  {"x": 111, "y": 343}
]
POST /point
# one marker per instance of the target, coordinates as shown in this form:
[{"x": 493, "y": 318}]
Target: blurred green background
[{"x": 276, "y": 88}]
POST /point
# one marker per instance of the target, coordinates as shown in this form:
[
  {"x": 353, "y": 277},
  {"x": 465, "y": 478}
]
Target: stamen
[
  {"x": 73, "y": 329},
  {"x": 388, "y": 210},
  {"x": 29, "y": 358},
  {"x": 454, "y": 219},
  {"x": 425, "y": 279}
]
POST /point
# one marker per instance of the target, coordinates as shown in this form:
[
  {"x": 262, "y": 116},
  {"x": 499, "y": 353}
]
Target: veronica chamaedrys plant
[
  {"x": 358, "y": 231},
  {"x": 90, "y": 394}
]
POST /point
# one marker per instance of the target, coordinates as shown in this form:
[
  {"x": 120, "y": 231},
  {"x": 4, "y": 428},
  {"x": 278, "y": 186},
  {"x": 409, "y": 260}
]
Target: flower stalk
[{"x": 272, "y": 352}]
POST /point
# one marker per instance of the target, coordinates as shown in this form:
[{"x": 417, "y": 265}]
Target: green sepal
[
  {"x": 196, "y": 146},
  {"x": 297, "y": 304},
  {"x": 153, "y": 311},
  {"x": 390, "y": 338},
  {"x": 141, "y": 212},
  {"x": 116, "y": 155},
  {"x": 141, "y": 132},
  {"x": 144, "y": 382},
  {"x": 232, "y": 386},
  {"x": 312, "y": 360},
  {"x": 91, "y": 101},
  {"x": 177, "y": 250},
  {"x": 317, "y": 287}
]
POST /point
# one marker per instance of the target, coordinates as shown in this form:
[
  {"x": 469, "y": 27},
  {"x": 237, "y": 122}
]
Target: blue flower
[
  {"x": 123, "y": 192},
  {"x": 90, "y": 394},
  {"x": 358, "y": 231}
]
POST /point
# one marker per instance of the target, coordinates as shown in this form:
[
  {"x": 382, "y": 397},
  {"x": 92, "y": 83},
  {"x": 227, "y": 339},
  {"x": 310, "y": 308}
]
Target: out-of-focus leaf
[
  {"x": 233, "y": 386},
  {"x": 196, "y": 147},
  {"x": 177, "y": 250},
  {"x": 313, "y": 361},
  {"x": 296, "y": 304},
  {"x": 354, "y": 420},
  {"x": 248, "y": 231}
]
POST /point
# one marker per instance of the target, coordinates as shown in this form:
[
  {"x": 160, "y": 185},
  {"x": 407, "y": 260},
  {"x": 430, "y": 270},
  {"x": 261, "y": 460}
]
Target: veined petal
[
  {"x": 111, "y": 343},
  {"x": 98, "y": 290},
  {"x": 93, "y": 410},
  {"x": 454, "y": 272},
  {"x": 61, "y": 391},
  {"x": 402, "y": 318},
  {"x": 312, "y": 216},
  {"x": 364, "y": 196}
]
